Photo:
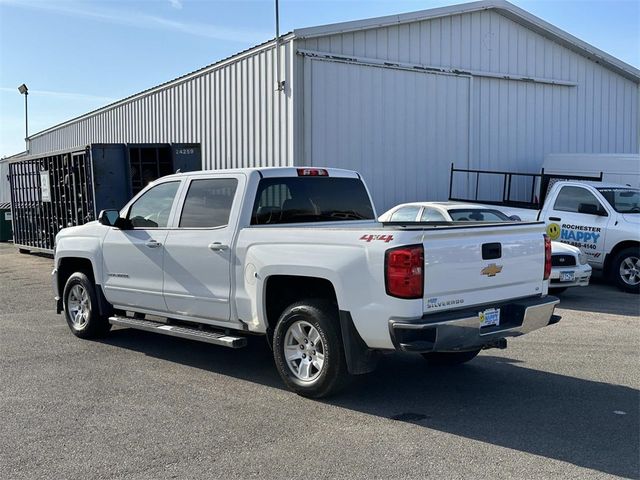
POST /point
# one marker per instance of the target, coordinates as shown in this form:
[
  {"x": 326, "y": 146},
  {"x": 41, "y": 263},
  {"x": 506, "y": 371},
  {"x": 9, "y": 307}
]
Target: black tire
[
  {"x": 557, "y": 291},
  {"x": 627, "y": 255},
  {"x": 93, "y": 325},
  {"x": 23, "y": 251},
  {"x": 323, "y": 317},
  {"x": 449, "y": 358}
]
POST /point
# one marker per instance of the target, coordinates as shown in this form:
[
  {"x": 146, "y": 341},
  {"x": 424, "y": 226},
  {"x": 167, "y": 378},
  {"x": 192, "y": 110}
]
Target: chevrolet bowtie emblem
[{"x": 491, "y": 270}]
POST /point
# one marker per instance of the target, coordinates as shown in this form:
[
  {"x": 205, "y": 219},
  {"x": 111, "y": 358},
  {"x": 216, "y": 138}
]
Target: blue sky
[{"x": 76, "y": 56}]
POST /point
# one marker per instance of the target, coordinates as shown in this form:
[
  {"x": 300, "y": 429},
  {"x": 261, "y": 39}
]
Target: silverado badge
[{"x": 491, "y": 270}]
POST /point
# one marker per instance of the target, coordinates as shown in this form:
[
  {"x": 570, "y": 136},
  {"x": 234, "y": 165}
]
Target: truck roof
[{"x": 271, "y": 172}]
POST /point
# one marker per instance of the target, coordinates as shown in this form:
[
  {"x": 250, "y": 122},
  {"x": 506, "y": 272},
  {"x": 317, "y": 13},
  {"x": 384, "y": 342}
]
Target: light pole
[
  {"x": 25, "y": 91},
  {"x": 279, "y": 83}
]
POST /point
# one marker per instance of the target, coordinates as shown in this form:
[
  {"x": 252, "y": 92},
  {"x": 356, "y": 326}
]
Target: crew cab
[
  {"x": 296, "y": 255},
  {"x": 569, "y": 267}
]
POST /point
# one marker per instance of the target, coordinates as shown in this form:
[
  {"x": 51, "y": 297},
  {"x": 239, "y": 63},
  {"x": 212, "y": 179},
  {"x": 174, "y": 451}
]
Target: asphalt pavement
[{"x": 561, "y": 402}]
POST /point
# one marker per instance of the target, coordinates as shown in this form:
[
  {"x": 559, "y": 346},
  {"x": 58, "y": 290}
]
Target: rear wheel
[
  {"x": 81, "y": 308},
  {"x": 308, "y": 350},
  {"x": 625, "y": 270},
  {"x": 449, "y": 358},
  {"x": 23, "y": 251}
]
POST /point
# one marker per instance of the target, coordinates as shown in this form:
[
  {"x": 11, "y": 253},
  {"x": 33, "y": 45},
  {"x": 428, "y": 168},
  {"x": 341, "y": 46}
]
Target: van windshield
[
  {"x": 310, "y": 199},
  {"x": 623, "y": 200}
]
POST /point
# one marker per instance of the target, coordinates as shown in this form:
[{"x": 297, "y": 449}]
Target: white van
[{"x": 620, "y": 168}]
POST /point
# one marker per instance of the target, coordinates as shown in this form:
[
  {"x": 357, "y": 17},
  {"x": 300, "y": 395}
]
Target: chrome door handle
[
  {"x": 217, "y": 246},
  {"x": 153, "y": 244}
]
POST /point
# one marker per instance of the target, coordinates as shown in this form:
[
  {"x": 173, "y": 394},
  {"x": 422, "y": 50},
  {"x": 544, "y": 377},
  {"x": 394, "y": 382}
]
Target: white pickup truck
[
  {"x": 296, "y": 255},
  {"x": 602, "y": 219}
]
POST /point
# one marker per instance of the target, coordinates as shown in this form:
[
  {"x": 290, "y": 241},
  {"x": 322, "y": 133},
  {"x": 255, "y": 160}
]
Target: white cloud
[
  {"x": 177, "y": 4},
  {"x": 138, "y": 19}
]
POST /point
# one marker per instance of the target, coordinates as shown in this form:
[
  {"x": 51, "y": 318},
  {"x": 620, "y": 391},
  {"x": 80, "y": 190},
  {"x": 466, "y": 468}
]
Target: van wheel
[
  {"x": 449, "y": 358},
  {"x": 308, "y": 350},
  {"x": 81, "y": 308},
  {"x": 625, "y": 270}
]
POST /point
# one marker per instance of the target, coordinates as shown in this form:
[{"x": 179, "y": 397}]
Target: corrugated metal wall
[
  {"x": 512, "y": 124},
  {"x": 393, "y": 126},
  {"x": 232, "y": 109}
]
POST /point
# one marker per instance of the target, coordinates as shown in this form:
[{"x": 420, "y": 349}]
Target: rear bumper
[{"x": 460, "y": 330}]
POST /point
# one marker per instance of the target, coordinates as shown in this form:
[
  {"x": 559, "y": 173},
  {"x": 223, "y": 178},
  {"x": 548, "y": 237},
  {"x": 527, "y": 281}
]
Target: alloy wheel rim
[
  {"x": 304, "y": 351},
  {"x": 630, "y": 271},
  {"x": 78, "y": 306}
]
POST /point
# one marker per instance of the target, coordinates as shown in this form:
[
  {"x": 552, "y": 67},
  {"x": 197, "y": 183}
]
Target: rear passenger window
[{"x": 208, "y": 203}]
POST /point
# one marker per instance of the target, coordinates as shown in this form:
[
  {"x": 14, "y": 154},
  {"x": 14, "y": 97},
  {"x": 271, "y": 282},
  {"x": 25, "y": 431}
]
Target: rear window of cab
[{"x": 310, "y": 199}]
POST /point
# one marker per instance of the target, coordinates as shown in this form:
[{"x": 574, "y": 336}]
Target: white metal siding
[
  {"x": 400, "y": 129},
  {"x": 513, "y": 124},
  {"x": 233, "y": 110}
]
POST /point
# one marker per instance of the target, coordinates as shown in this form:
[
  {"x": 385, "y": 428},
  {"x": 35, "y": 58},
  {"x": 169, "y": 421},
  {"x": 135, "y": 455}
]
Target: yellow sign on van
[{"x": 553, "y": 230}]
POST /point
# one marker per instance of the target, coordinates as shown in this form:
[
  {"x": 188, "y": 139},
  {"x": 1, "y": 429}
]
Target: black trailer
[{"x": 62, "y": 189}]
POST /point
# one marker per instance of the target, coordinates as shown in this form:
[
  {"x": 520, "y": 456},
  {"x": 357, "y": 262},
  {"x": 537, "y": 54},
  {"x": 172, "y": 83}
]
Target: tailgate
[{"x": 482, "y": 264}]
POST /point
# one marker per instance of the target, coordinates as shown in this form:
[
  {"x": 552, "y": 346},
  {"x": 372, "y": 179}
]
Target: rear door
[
  {"x": 479, "y": 264},
  {"x": 198, "y": 252},
  {"x": 578, "y": 218}
]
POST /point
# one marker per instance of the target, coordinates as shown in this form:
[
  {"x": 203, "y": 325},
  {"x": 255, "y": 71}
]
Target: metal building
[{"x": 398, "y": 98}]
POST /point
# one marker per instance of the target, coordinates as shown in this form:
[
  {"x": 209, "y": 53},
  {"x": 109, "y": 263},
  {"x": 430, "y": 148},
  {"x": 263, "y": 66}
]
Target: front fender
[{"x": 84, "y": 247}]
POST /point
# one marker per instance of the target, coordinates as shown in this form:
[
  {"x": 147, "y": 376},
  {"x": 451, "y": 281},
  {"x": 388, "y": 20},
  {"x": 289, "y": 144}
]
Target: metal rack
[{"x": 537, "y": 189}]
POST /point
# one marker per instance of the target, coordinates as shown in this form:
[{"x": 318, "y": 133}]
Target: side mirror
[
  {"x": 108, "y": 217},
  {"x": 591, "y": 209},
  {"x": 112, "y": 218},
  {"x": 515, "y": 218}
]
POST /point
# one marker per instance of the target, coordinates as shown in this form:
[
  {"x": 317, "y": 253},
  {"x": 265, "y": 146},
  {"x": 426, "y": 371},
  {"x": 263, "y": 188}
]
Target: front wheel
[
  {"x": 449, "y": 358},
  {"x": 626, "y": 270},
  {"x": 308, "y": 350},
  {"x": 81, "y": 308}
]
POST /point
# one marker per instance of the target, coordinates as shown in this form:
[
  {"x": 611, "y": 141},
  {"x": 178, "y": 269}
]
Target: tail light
[
  {"x": 547, "y": 258},
  {"x": 404, "y": 271}
]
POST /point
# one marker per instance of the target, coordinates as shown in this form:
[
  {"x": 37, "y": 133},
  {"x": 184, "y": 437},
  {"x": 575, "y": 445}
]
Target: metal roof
[{"x": 501, "y": 6}]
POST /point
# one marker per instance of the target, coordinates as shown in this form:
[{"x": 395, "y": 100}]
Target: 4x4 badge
[{"x": 491, "y": 270}]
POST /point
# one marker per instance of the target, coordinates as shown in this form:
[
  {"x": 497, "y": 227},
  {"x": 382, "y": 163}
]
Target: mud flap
[{"x": 360, "y": 358}]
